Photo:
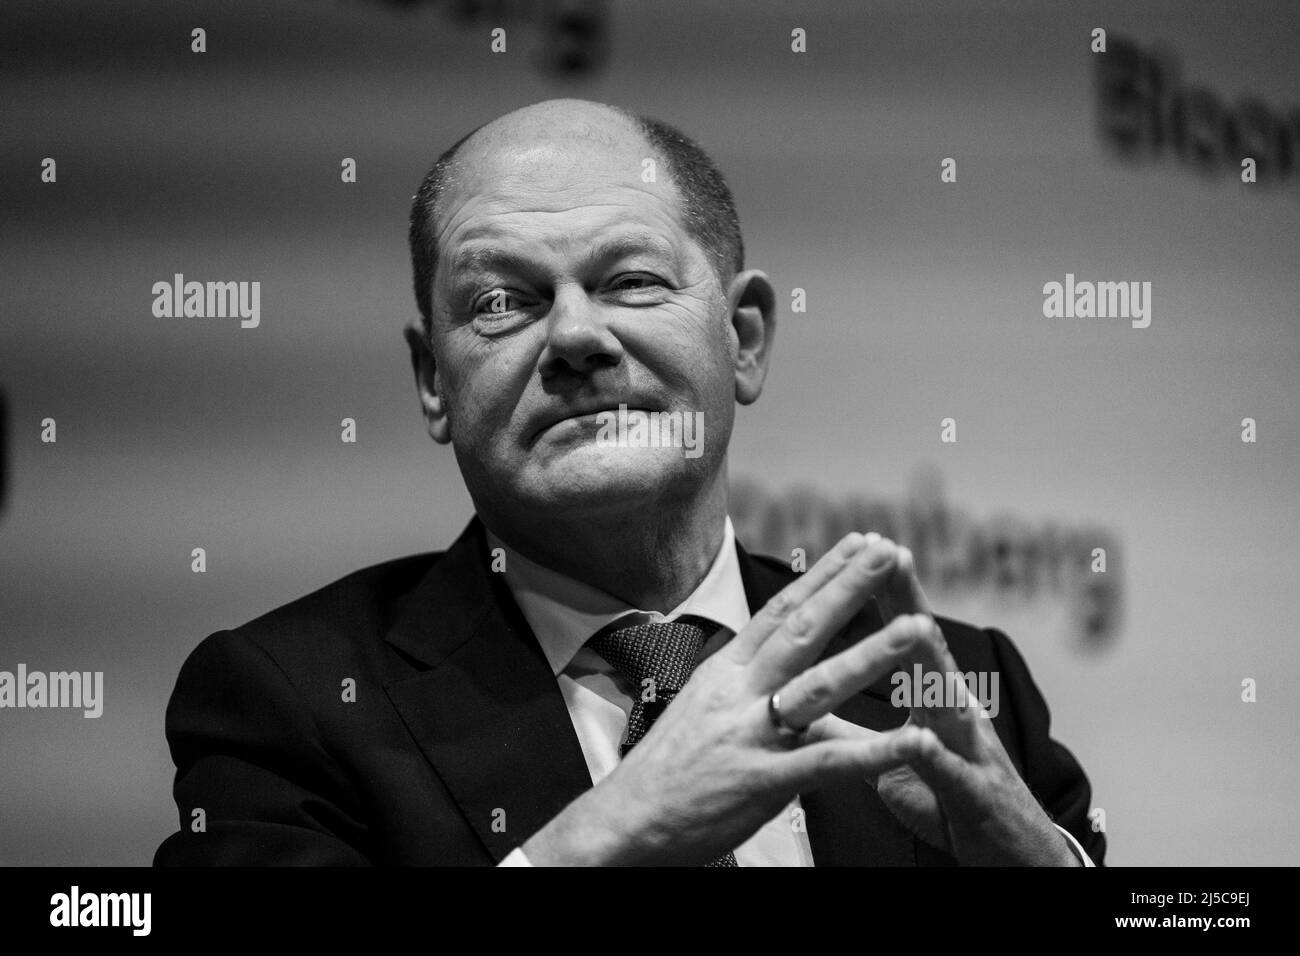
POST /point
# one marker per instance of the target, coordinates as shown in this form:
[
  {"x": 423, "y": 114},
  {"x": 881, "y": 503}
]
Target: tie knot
[{"x": 664, "y": 652}]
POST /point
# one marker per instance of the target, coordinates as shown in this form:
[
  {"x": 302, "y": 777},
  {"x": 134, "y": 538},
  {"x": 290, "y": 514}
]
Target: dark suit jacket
[{"x": 457, "y": 717}]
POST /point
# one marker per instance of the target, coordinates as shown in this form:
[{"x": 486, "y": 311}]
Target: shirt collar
[{"x": 564, "y": 613}]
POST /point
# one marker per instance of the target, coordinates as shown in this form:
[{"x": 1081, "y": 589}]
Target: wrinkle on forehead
[
  {"x": 509, "y": 196},
  {"x": 557, "y": 177},
  {"x": 508, "y": 216}
]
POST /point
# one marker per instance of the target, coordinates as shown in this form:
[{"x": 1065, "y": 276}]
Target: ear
[
  {"x": 751, "y": 306},
  {"x": 427, "y": 383}
]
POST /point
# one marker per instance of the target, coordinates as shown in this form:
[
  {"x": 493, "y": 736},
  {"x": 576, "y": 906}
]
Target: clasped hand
[{"x": 715, "y": 767}]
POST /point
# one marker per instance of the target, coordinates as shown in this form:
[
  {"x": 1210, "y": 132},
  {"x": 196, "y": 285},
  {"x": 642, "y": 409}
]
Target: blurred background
[{"x": 924, "y": 301}]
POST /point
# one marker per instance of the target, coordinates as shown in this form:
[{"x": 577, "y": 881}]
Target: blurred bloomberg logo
[
  {"x": 1008, "y": 556},
  {"x": 1145, "y": 112}
]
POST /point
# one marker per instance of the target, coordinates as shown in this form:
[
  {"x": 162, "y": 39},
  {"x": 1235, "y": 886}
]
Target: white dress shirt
[{"x": 564, "y": 614}]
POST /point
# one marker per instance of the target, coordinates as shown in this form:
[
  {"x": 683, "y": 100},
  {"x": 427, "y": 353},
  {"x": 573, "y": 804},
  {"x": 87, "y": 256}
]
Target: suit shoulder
[{"x": 349, "y": 611}]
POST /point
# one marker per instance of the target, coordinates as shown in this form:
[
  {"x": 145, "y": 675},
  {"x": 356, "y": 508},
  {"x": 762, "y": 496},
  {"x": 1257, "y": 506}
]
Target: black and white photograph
[{"x": 684, "y": 433}]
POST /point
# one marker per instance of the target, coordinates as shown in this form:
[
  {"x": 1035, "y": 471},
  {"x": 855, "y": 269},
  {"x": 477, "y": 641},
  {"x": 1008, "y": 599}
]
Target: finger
[
  {"x": 962, "y": 720},
  {"x": 943, "y": 771},
  {"x": 821, "y": 688},
  {"x": 929, "y": 751},
  {"x": 775, "y": 611},
  {"x": 958, "y": 715},
  {"x": 857, "y": 757},
  {"x": 805, "y": 630},
  {"x": 831, "y": 727},
  {"x": 902, "y": 593}
]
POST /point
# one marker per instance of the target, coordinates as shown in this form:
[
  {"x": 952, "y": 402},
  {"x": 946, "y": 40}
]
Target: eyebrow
[{"x": 488, "y": 257}]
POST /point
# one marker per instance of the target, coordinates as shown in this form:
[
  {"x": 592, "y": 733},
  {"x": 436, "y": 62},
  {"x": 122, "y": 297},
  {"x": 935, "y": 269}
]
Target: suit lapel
[
  {"x": 848, "y": 824},
  {"x": 484, "y": 707}
]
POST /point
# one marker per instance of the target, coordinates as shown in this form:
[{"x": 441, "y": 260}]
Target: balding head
[{"x": 566, "y": 134}]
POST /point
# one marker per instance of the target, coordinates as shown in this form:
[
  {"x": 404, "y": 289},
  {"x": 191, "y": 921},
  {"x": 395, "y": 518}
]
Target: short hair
[{"x": 705, "y": 202}]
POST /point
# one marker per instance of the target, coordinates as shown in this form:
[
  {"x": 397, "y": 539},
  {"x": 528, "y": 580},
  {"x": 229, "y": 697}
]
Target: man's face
[{"x": 565, "y": 287}]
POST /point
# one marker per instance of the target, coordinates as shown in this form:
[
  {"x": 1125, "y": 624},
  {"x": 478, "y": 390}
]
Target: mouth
[{"x": 587, "y": 413}]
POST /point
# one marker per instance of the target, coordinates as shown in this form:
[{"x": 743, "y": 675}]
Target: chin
[{"x": 605, "y": 480}]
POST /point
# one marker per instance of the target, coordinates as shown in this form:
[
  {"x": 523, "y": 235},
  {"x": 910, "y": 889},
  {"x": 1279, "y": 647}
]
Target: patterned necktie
[{"x": 657, "y": 659}]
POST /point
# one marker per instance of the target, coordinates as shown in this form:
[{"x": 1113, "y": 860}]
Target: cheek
[
  {"x": 715, "y": 353},
  {"x": 485, "y": 387},
  {"x": 700, "y": 374},
  {"x": 699, "y": 341}
]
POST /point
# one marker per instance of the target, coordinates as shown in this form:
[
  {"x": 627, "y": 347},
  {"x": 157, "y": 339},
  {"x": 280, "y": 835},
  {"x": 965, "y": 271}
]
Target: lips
[{"x": 583, "y": 411}]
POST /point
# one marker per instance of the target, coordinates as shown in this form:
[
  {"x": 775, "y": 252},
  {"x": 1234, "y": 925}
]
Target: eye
[
  {"x": 635, "y": 282},
  {"x": 497, "y": 302}
]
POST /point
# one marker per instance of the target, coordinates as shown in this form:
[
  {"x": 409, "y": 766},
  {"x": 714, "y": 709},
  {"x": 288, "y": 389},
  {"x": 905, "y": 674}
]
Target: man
[{"x": 596, "y": 672}]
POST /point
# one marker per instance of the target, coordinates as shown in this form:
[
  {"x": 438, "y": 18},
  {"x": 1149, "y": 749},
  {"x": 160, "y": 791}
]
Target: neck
[{"x": 653, "y": 559}]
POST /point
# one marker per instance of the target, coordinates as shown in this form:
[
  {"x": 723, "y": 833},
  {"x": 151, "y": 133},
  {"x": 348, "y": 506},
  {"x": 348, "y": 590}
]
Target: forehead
[{"x": 560, "y": 194}]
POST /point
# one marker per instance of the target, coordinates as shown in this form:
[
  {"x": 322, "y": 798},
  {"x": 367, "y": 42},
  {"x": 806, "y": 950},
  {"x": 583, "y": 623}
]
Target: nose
[{"x": 578, "y": 340}]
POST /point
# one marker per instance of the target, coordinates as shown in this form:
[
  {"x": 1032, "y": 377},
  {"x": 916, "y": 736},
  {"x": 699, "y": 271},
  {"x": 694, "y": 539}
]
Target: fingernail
[
  {"x": 872, "y": 538},
  {"x": 880, "y": 558}
]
